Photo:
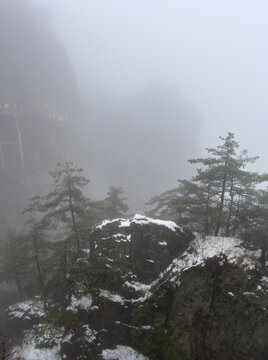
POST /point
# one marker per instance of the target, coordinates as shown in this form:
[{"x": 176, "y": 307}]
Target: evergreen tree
[
  {"x": 114, "y": 206},
  {"x": 14, "y": 259},
  {"x": 65, "y": 208},
  {"x": 254, "y": 224},
  {"x": 223, "y": 168},
  {"x": 211, "y": 201},
  {"x": 164, "y": 205},
  {"x": 59, "y": 264},
  {"x": 39, "y": 255},
  {"x": 189, "y": 204},
  {"x": 65, "y": 218}
]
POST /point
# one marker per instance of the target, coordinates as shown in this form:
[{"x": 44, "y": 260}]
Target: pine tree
[
  {"x": 14, "y": 259},
  {"x": 212, "y": 200},
  {"x": 230, "y": 184},
  {"x": 65, "y": 208},
  {"x": 221, "y": 165},
  {"x": 65, "y": 217},
  {"x": 114, "y": 206},
  {"x": 40, "y": 247},
  {"x": 254, "y": 225},
  {"x": 164, "y": 205}
]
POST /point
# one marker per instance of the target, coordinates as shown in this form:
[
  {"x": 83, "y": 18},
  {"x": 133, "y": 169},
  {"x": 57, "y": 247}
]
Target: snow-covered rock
[
  {"x": 141, "y": 220},
  {"x": 143, "y": 280}
]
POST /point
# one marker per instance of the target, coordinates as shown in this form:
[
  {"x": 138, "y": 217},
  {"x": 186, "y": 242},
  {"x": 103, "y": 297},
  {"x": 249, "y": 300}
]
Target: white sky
[{"x": 215, "y": 51}]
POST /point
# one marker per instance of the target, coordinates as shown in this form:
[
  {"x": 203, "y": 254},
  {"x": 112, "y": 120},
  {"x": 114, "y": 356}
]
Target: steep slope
[{"x": 149, "y": 285}]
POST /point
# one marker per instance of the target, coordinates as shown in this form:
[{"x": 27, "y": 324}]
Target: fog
[
  {"x": 214, "y": 52},
  {"x": 34, "y": 67},
  {"x": 39, "y": 99},
  {"x": 129, "y": 90},
  {"x": 145, "y": 84},
  {"x": 142, "y": 143}
]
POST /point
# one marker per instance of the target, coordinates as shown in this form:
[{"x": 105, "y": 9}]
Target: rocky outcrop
[
  {"x": 149, "y": 285},
  {"x": 146, "y": 246}
]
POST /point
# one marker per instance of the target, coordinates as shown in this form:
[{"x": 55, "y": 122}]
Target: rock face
[
  {"x": 223, "y": 313},
  {"x": 148, "y": 285},
  {"x": 145, "y": 246}
]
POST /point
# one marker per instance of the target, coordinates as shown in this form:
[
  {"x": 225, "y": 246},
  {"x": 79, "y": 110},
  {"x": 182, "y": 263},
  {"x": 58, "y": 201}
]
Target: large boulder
[
  {"x": 146, "y": 246},
  {"x": 211, "y": 303},
  {"x": 149, "y": 285}
]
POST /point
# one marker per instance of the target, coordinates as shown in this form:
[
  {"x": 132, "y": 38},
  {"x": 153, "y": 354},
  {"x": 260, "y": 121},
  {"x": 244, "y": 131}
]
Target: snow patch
[
  {"x": 122, "y": 353},
  {"x": 119, "y": 235},
  {"x": 143, "y": 327},
  {"x": 42, "y": 343},
  {"x": 27, "y": 309},
  {"x": 84, "y": 303},
  {"x": 29, "y": 352},
  {"x": 113, "y": 297},
  {"x": 127, "y": 325},
  {"x": 137, "y": 286},
  {"x": 87, "y": 251},
  {"x": 248, "y": 293},
  {"x": 104, "y": 223},
  {"x": 204, "y": 248},
  {"x": 90, "y": 335},
  {"x": 142, "y": 220},
  {"x": 147, "y": 327},
  {"x": 130, "y": 274}
]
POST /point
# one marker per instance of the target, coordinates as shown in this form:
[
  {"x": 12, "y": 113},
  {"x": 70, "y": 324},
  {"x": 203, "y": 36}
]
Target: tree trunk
[
  {"x": 64, "y": 303},
  {"x": 17, "y": 281},
  {"x": 218, "y": 224},
  {"x": 236, "y": 218},
  {"x": 74, "y": 227},
  {"x": 38, "y": 267},
  {"x": 207, "y": 226},
  {"x": 230, "y": 209},
  {"x": 18, "y": 286}
]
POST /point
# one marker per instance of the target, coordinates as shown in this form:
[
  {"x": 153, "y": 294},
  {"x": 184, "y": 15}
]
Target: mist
[
  {"x": 102, "y": 249},
  {"x": 34, "y": 66},
  {"x": 215, "y": 52},
  {"x": 39, "y": 106},
  {"x": 144, "y": 86},
  {"x": 143, "y": 142}
]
